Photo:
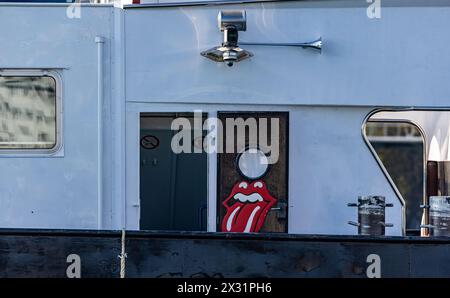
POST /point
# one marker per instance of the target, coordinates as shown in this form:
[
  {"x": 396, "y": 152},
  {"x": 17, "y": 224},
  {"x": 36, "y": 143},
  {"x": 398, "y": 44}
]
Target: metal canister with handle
[
  {"x": 439, "y": 216},
  {"x": 371, "y": 215}
]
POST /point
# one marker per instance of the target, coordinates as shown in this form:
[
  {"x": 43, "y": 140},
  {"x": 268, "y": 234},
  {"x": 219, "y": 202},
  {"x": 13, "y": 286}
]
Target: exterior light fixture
[{"x": 230, "y": 23}]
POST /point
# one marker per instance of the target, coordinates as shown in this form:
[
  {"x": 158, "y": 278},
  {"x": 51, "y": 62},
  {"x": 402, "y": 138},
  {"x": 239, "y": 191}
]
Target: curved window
[
  {"x": 400, "y": 147},
  {"x": 393, "y": 137}
]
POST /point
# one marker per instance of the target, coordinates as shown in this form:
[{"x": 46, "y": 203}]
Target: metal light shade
[{"x": 228, "y": 55}]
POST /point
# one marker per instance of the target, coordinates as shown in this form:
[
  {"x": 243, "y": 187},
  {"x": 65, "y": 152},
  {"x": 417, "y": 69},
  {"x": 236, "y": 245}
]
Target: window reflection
[{"x": 27, "y": 112}]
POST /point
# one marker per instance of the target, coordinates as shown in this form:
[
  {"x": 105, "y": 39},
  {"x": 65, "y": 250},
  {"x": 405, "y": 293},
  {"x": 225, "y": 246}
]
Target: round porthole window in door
[{"x": 252, "y": 163}]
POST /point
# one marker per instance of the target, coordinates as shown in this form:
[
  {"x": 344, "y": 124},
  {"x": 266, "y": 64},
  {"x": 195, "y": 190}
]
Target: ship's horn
[{"x": 316, "y": 45}]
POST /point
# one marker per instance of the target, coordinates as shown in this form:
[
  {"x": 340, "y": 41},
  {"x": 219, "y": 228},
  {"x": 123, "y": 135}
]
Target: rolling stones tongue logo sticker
[{"x": 247, "y": 207}]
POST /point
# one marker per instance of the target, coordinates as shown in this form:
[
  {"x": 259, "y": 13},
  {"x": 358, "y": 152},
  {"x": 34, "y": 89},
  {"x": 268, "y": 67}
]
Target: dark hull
[{"x": 43, "y": 253}]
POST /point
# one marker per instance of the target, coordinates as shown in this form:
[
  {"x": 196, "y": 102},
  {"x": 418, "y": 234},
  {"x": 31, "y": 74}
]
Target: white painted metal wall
[
  {"x": 152, "y": 62},
  {"x": 365, "y": 62},
  {"x": 329, "y": 166},
  {"x": 398, "y": 60},
  {"x": 59, "y": 191}
]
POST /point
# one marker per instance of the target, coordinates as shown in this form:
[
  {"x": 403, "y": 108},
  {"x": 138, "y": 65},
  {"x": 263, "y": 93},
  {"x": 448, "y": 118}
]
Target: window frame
[
  {"x": 55, "y": 75},
  {"x": 424, "y": 158},
  {"x": 380, "y": 163}
]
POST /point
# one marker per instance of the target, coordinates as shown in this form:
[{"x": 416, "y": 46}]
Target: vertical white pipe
[
  {"x": 100, "y": 41},
  {"x": 212, "y": 177}
]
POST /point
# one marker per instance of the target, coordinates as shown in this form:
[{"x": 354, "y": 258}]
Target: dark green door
[{"x": 173, "y": 187}]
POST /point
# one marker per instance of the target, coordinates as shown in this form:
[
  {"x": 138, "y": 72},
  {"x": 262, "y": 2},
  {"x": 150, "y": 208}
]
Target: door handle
[
  {"x": 281, "y": 209},
  {"x": 200, "y": 215}
]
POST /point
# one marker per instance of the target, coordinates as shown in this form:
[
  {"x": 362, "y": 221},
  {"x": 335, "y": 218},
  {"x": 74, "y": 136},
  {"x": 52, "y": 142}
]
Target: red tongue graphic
[
  {"x": 247, "y": 207},
  {"x": 244, "y": 217}
]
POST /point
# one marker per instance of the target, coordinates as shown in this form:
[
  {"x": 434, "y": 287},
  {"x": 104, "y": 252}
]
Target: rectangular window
[{"x": 28, "y": 112}]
